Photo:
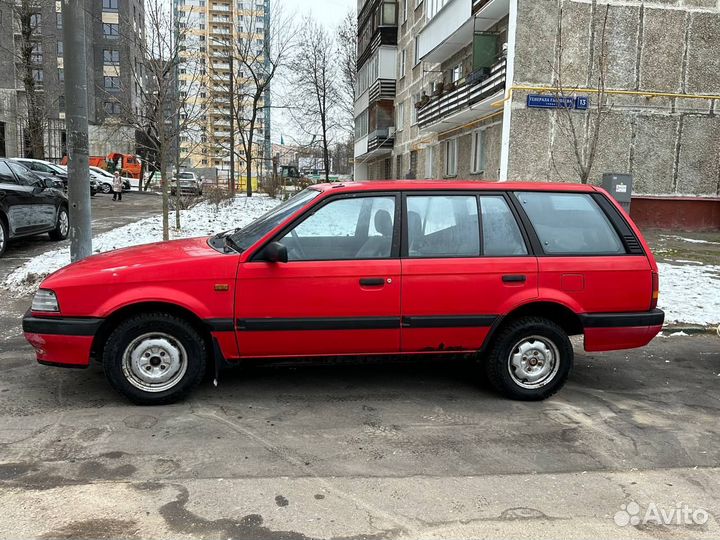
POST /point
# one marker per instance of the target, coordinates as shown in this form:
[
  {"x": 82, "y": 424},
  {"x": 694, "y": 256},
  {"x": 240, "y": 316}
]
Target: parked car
[
  {"x": 43, "y": 169},
  {"x": 30, "y": 205},
  {"x": 105, "y": 180},
  {"x": 190, "y": 184},
  {"x": 500, "y": 272}
]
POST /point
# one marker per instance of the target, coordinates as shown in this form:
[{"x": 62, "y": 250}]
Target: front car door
[
  {"x": 339, "y": 292},
  {"x": 465, "y": 261}
]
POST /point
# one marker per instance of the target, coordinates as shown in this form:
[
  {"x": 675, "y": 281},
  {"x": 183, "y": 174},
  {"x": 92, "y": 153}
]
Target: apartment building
[
  {"x": 470, "y": 89},
  {"x": 114, "y": 31},
  {"x": 214, "y": 28}
]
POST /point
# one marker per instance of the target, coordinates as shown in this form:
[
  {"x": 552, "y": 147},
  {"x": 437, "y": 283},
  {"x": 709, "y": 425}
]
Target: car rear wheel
[
  {"x": 3, "y": 236},
  {"x": 154, "y": 358},
  {"x": 531, "y": 359},
  {"x": 62, "y": 225},
  {"x": 105, "y": 188}
]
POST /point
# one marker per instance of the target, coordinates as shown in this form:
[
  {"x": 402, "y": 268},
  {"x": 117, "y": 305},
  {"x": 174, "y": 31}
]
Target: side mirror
[{"x": 275, "y": 252}]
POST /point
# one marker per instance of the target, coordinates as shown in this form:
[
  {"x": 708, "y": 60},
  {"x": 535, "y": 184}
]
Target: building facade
[
  {"x": 495, "y": 89},
  {"x": 114, "y": 30},
  {"x": 222, "y": 30}
]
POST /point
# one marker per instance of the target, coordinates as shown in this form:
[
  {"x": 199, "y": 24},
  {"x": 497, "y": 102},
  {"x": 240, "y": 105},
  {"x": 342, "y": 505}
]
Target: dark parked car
[
  {"x": 30, "y": 205},
  {"x": 57, "y": 174}
]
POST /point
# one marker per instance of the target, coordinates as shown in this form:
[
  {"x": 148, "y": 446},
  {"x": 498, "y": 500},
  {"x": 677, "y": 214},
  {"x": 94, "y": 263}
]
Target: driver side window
[
  {"x": 24, "y": 176},
  {"x": 345, "y": 229}
]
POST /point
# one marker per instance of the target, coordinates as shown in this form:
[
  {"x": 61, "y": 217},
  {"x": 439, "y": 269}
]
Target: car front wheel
[
  {"x": 531, "y": 359},
  {"x": 62, "y": 225},
  {"x": 154, "y": 358},
  {"x": 105, "y": 188}
]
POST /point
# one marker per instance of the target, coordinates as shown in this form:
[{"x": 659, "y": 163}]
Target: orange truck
[{"x": 126, "y": 164}]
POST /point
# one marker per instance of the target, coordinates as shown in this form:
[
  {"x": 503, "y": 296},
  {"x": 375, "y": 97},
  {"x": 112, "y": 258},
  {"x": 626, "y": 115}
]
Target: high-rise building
[
  {"x": 114, "y": 30},
  {"x": 470, "y": 89},
  {"x": 223, "y": 33}
]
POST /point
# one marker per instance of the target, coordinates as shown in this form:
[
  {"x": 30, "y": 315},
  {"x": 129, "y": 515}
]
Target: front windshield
[
  {"x": 250, "y": 234},
  {"x": 188, "y": 176},
  {"x": 56, "y": 168}
]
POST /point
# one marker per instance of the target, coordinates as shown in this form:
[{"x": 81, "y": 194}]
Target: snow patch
[
  {"x": 690, "y": 294},
  {"x": 205, "y": 219}
]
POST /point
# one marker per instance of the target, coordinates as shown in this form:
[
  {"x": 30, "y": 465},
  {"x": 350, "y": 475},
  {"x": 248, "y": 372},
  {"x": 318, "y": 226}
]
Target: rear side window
[
  {"x": 501, "y": 234},
  {"x": 570, "y": 223},
  {"x": 443, "y": 226}
]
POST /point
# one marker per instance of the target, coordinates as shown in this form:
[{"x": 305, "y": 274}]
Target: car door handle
[
  {"x": 514, "y": 278},
  {"x": 372, "y": 282}
]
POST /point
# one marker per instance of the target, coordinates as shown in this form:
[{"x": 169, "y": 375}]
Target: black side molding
[
  {"x": 449, "y": 321},
  {"x": 618, "y": 320},
  {"x": 61, "y": 326},
  {"x": 220, "y": 325},
  {"x": 341, "y": 323}
]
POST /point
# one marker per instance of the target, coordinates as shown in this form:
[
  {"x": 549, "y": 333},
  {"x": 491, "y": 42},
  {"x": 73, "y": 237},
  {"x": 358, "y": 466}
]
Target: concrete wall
[{"x": 669, "y": 144}]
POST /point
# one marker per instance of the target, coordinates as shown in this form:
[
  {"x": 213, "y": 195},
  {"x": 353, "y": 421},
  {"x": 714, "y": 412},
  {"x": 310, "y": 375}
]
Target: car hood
[{"x": 146, "y": 263}]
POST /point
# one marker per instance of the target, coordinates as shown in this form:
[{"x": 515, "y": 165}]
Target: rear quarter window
[{"x": 570, "y": 223}]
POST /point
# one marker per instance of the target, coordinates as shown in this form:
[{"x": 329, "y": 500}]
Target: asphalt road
[{"x": 359, "y": 451}]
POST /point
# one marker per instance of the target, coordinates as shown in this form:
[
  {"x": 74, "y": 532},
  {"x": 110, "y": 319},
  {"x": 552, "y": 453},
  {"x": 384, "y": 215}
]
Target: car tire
[
  {"x": 106, "y": 188},
  {"x": 155, "y": 358},
  {"x": 62, "y": 225},
  {"x": 530, "y": 359},
  {"x": 4, "y": 236}
]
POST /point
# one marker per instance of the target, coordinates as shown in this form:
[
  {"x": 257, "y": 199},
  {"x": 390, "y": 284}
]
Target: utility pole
[
  {"x": 232, "y": 123},
  {"x": 76, "y": 106}
]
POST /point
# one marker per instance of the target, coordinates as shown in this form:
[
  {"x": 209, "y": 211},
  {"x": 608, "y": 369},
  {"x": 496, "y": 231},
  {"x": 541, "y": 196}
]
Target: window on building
[
  {"x": 110, "y": 30},
  {"x": 443, "y": 226},
  {"x": 429, "y": 161},
  {"x": 35, "y": 21},
  {"x": 400, "y": 123},
  {"x": 61, "y": 74},
  {"x": 478, "y": 152},
  {"x": 38, "y": 75},
  {"x": 58, "y": 20},
  {"x": 111, "y": 57},
  {"x": 111, "y": 107},
  {"x": 60, "y": 48},
  {"x": 36, "y": 54},
  {"x": 111, "y": 83},
  {"x": 417, "y": 51},
  {"x": 61, "y": 103},
  {"x": 451, "y": 155},
  {"x": 110, "y": 5},
  {"x": 405, "y": 10},
  {"x": 403, "y": 62},
  {"x": 501, "y": 234},
  {"x": 456, "y": 73}
]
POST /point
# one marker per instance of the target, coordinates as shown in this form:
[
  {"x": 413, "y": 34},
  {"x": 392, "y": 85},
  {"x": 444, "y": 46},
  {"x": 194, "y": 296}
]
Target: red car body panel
[{"x": 258, "y": 309}]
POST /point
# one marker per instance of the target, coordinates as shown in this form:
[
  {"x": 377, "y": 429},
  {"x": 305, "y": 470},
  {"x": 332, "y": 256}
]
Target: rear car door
[
  {"x": 38, "y": 211},
  {"x": 465, "y": 262},
  {"x": 339, "y": 292}
]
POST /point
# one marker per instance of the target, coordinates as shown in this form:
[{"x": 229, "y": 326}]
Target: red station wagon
[{"x": 504, "y": 271}]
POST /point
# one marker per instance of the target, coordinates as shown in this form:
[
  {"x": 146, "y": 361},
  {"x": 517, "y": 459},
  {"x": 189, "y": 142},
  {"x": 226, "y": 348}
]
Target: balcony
[
  {"x": 453, "y": 27},
  {"x": 476, "y": 97}
]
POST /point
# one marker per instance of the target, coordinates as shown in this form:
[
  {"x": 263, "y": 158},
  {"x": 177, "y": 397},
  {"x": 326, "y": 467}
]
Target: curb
[{"x": 691, "y": 329}]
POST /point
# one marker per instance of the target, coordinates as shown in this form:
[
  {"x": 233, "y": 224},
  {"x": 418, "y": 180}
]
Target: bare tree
[
  {"x": 170, "y": 110},
  {"x": 347, "y": 59},
  {"x": 583, "y": 130},
  {"x": 28, "y": 57},
  {"x": 315, "y": 95}
]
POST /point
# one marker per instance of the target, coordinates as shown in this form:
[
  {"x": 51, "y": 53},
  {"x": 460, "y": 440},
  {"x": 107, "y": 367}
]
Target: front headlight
[{"x": 45, "y": 300}]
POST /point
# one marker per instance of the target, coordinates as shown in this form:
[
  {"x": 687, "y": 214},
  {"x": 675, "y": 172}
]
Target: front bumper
[
  {"x": 615, "y": 331},
  {"x": 61, "y": 341}
]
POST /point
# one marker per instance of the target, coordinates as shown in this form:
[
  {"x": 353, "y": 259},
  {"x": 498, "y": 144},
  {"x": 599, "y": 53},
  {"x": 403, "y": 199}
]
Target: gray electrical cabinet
[{"x": 619, "y": 186}]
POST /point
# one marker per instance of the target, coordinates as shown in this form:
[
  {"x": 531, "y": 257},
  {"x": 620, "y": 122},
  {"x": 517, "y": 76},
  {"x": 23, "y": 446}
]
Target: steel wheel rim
[
  {"x": 2, "y": 237},
  {"x": 63, "y": 223},
  {"x": 533, "y": 362},
  {"x": 154, "y": 362}
]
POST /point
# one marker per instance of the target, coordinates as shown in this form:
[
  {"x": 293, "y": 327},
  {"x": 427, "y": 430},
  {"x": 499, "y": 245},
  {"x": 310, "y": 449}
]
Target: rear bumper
[
  {"x": 615, "y": 331},
  {"x": 61, "y": 341}
]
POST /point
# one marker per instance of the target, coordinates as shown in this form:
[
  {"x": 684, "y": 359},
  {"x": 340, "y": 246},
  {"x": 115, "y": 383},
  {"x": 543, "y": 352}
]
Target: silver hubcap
[
  {"x": 2, "y": 238},
  {"x": 154, "y": 362},
  {"x": 534, "y": 361},
  {"x": 63, "y": 222}
]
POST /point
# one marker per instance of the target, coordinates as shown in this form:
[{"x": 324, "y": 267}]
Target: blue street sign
[{"x": 542, "y": 101}]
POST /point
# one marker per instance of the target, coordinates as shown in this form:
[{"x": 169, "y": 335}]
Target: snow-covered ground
[
  {"x": 204, "y": 219},
  {"x": 689, "y": 291}
]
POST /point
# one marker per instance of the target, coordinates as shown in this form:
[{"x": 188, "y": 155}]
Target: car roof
[{"x": 451, "y": 185}]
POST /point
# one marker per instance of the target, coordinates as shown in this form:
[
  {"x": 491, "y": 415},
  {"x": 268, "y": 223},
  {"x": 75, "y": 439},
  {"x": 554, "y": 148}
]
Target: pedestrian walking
[{"x": 117, "y": 187}]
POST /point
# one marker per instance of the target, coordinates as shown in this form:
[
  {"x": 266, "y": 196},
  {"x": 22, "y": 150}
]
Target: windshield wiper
[{"x": 232, "y": 244}]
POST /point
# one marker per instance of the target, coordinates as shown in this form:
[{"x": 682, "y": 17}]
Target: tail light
[{"x": 655, "y": 290}]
